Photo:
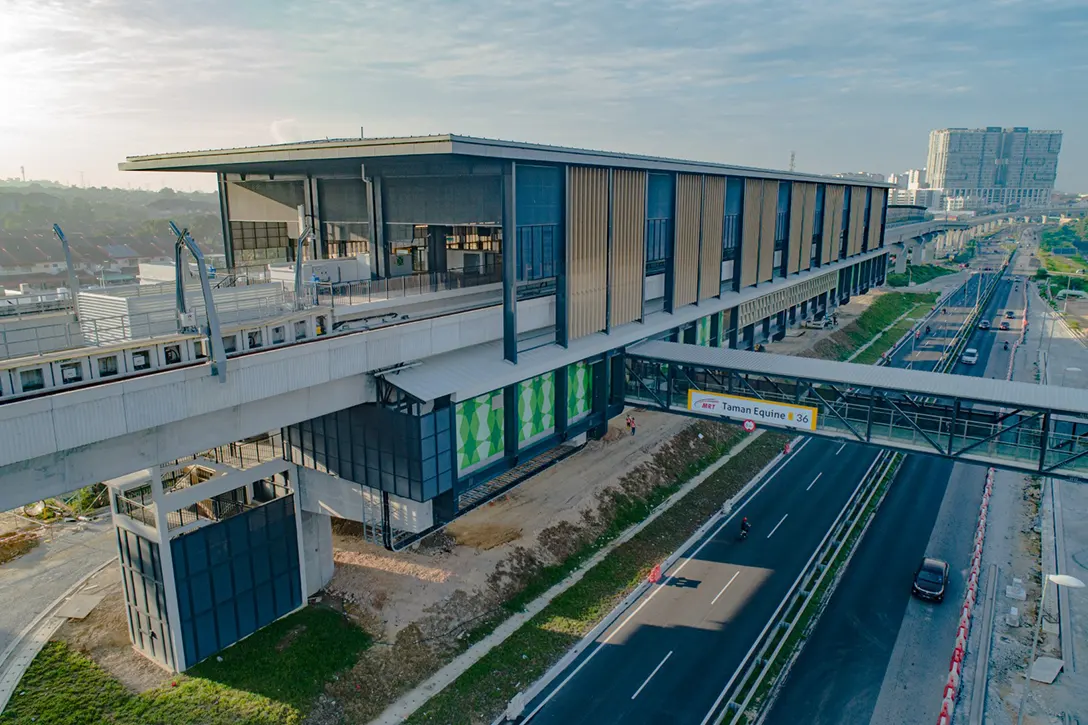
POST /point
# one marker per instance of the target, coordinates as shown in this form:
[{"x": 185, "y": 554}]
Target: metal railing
[
  {"x": 107, "y": 330},
  {"x": 213, "y": 509},
  {"x": 375, "y": 290},
  {"x": 136, "y": 511}
]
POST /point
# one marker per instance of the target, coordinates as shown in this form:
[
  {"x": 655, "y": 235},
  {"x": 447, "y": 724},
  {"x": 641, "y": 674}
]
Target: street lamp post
[{"x": 1060, "y": 580}]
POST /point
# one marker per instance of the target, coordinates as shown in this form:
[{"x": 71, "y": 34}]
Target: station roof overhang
[
  {"x": 986, "y": 391},
  {"x": 334, "y": 154},
  {"x": 478, "y": 369}
]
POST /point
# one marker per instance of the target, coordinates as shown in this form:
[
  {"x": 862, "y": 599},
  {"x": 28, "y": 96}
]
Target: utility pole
[
  {"x": 793, "y": 157},
  {"x": 22, "y": 171}
]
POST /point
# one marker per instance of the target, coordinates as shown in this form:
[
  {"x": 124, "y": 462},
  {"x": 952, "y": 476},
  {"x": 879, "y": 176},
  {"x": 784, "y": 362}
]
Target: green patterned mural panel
[
  {"x": 479, "y": 430},
  {"x": 536, "y": 408},
  {"x": 579, "y": 391},
  {"x": 723, "y": 332},
  {"x": 702, "y": 331}
]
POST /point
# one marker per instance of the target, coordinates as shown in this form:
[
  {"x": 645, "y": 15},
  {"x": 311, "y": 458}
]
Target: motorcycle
[{"x": 1006, "y": 346}]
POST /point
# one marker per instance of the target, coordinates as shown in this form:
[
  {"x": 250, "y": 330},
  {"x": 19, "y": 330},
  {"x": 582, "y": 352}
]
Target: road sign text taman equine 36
[{"x": 782, "y": 415}]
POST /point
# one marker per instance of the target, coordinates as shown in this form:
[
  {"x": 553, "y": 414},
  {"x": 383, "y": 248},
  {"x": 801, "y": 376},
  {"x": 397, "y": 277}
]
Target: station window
[
  {"x": 279, "y": 334},
  {"x": 172, "y": 354},
  {"x": 107, "y": 366},
  {"x": 71, "y": 372},
  {"x": 230, "y": 343},
  {"x": 141, "y": 360},
  {"x": 254, "y": 339},
  {"x": 300, "y": 329},
  {"x": 32, "y": 379},
  {"x": 200, "y": 350}
]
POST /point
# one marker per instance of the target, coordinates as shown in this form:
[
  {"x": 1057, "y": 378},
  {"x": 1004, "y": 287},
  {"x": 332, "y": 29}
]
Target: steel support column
[
  {"x": 510, "y": 266},
  {"x": 608, "y": 254},
  {"x": 224, "y": 219}
]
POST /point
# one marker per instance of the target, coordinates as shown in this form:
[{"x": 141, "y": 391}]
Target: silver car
[{"x": 969, "y": 356}]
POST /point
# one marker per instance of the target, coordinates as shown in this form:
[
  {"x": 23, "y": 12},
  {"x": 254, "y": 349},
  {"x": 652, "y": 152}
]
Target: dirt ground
[
  {"x": 103, "y": 635},
  {"x": 399, "y": 588}
]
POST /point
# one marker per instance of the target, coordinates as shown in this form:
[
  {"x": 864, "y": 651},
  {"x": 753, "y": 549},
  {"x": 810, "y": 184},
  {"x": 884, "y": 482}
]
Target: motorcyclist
[
  {"x": 927, "y": 329},
  {"x": 1006, "y": 344},
  {"x": 745, "y": 526}
]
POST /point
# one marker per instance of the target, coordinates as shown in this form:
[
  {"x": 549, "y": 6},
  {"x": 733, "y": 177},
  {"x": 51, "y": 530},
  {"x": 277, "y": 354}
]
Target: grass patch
[
  {"x": 919, "y": 274},
  {"x": 268, "y": 678},
  {"x": 628, "y": 511},
  {"x": 841, "y": 344},
  {"x": 484, "y": 689}
]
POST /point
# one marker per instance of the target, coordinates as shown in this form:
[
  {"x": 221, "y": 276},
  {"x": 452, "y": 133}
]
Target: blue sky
[{"x": 848, "y": 85}]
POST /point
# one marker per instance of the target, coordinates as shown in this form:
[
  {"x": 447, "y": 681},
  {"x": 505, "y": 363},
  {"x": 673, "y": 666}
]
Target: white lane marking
[
  {"x": 814, "y": 480},
  {"x": 661, "y": 586},
  {"x": 840, "y": 449},
  {"x": 776, "y": 527},
  {"x": 725, "y": 587},
  {"x": 651, "y": 675}
]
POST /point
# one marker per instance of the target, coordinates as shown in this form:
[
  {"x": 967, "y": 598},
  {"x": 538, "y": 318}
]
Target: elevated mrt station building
[{"x": 499, "y": 284}]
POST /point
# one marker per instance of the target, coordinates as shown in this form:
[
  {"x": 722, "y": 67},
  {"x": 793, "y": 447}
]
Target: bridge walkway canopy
[{"x": 1038, "y": 429}]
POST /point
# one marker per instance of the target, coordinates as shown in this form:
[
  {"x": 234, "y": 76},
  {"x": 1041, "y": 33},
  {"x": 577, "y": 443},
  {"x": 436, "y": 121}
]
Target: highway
[
  {"x": 840, "y": 672},
  {"x": 669, "y": 656}
]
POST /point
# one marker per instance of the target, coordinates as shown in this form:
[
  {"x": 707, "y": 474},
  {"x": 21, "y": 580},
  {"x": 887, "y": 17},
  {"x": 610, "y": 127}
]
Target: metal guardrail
[
  {"x": 376, "y": 290},
  {"x": 757, "y": 664},
  {"x": 92, "y": 332}
]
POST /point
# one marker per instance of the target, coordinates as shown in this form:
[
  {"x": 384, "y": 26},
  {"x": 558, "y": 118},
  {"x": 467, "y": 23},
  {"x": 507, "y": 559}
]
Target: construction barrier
[{"x": 963, "y": 630}]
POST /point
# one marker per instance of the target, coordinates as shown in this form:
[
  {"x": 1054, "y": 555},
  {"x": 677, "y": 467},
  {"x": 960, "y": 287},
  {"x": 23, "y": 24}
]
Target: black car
[
  {"x": 931, "y": 580},
  {"x": 1004, "y": 325},
  {"x": 1010, "y": 314}
]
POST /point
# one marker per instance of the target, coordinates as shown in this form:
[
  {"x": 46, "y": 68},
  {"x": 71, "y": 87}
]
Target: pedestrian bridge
[{"x": 1037, "y": 429}]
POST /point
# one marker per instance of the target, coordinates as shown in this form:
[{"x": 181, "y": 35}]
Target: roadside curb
[
  {"x": 411, "y": 701},
  {"x": 10, "y": 664}
]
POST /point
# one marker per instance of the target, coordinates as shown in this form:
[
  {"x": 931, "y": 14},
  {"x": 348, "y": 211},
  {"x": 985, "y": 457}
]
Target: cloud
[{"x": 735, "y": 80}]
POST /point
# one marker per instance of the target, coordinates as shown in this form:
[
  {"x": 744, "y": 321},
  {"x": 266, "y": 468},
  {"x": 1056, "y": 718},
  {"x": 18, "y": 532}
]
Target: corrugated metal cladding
[
  {"x": 689, "y": 202},
  {"x": 749, "y": 238},
  {"x": 628, "y": 244},
  {"x": 342, "y": 200},
  {"x": 797, "y": 216},
  {"x": 710, "y": 282},
  {"x": 587, "y": 250},
  {"x": 768, "y": 218},
  {"x": 464, "y": 199},
  {"x": 833, "y": 201},
  {"x": 876, "y": 214},
  {"x": 808, "y": 191},
  {"x": 236, "y": 576},
  {"x": 264, "y": 201},
  {"x": 857, "y": 220}
]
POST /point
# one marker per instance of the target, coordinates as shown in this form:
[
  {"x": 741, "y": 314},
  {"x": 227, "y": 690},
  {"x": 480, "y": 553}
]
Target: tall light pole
[{"x": 1060, "y": 580}]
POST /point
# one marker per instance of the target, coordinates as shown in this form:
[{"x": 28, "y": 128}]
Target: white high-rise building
[{"x": 993, "y": 167}]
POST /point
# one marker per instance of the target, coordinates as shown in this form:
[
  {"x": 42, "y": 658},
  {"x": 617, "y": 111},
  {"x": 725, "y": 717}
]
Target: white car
[{"x": 969, "y": 356}]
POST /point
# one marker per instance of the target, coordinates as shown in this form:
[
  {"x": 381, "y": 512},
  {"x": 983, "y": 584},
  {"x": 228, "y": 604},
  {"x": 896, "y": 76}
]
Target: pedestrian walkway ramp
[{"x": 1021, "y": 426}]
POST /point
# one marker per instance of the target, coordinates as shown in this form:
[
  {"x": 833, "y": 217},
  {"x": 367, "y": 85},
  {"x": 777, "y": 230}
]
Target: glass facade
[
  {"x": 236, "y": 576},
  {"x": 400, "y": 453},
  {"x": 660, "y": 205}
]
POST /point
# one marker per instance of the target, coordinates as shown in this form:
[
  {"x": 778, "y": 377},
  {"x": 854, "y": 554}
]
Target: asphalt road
[
  {"x": 669, "y": 656},
  {"x": 839, "y": 674}
]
